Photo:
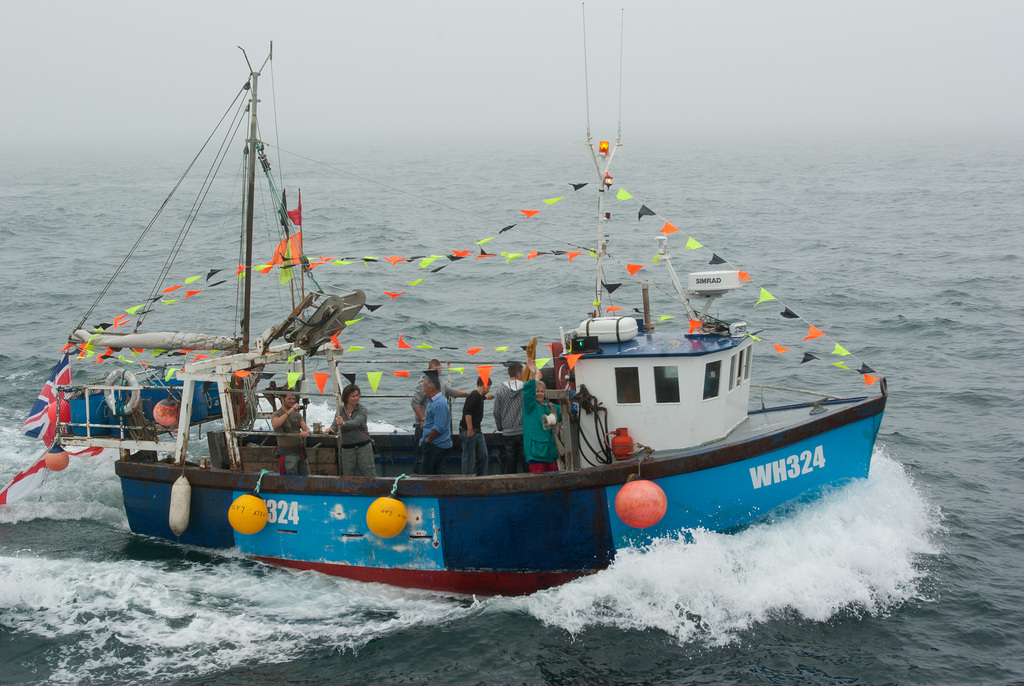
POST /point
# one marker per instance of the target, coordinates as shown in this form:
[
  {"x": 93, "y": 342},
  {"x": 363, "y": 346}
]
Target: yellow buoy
[
  {"x": 386, "y": 517},
  {"x": 181, "y": 503},
  {"x": 248, "y": 514}
]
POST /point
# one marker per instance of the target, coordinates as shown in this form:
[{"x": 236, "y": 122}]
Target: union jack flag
[{"x": 38, "y": 424}]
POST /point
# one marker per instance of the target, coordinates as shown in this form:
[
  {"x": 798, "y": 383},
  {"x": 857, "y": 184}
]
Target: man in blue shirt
[{"x": 437, "y": 425}]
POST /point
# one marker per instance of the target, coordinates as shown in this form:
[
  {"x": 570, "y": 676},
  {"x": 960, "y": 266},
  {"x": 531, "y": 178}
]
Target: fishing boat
[{"x": 660, "y": 433}]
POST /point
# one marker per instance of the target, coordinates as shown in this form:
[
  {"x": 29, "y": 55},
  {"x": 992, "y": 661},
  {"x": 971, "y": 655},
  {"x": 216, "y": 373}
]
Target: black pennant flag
[
  {"x": 644, "y": 211},
  {"x": 370, "y": 307},
  {"x": 506, "y": 229},
  {"x": 807, "y": 358},
  {"x": 351, "y": 378},
  {"x": 456, "y": 257},
  {"x": 577, "y": 186},
  {"x": 377, "y": 344},
  {"x": 864, "y": 369},
  {"x": 610, "y": 287},
  {"x": 484, "y": 252},
  {"x": 789, "y": 314},
  {"x": 216, "y": 284},
  {"x": 365, "y": 259},
  {"x": 434, "y": 271},
  {"x": 211, "y": 273},
  {"x": 715, "y": 259}
]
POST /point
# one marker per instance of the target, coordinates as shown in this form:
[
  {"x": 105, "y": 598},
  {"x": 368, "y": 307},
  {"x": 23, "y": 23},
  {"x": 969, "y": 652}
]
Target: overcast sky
[{"x": 127, "y": 72}]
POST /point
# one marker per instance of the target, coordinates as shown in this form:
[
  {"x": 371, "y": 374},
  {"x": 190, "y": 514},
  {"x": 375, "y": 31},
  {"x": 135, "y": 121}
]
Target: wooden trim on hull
[
  {"x": 447, "y": 486},
  {"x": 476, "y": 583}
]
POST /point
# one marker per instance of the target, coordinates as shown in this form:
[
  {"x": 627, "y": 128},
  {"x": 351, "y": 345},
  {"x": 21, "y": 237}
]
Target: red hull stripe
[{"x": 479, "y": 583}]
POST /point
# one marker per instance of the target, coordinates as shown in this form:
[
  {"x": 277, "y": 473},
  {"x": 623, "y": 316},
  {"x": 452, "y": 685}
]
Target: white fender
[
  {"x": 122, "y": 377},
  {"x": 181, "y": 501}
]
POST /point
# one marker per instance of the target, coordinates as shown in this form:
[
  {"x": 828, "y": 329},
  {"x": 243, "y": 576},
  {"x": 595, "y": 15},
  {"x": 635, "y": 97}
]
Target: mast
[{"x": 249, "y": 210}]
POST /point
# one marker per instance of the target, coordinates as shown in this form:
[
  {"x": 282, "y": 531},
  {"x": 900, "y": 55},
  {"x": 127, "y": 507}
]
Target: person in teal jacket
[{"x": 538, "y": 441}]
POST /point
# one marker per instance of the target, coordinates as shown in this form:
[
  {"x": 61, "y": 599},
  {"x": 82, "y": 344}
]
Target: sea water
[{"x": 905, "y": 250}]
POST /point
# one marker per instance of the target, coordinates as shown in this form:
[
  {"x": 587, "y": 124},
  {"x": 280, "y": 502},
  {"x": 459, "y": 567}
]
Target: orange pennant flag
[
  {"x": 334, "y": 340},
  {"x": 813, "y": 333},
  {"x": 321, "y": 380},
  {"x": 532, "y": 254},
  {"x": 67, "y": 347},
  {"x": 460, "y": 253},
  {"x": 744, "y": 276},
  {"x": 780, "y": 349},
  {"x": 118, "y": 321},
  {"x": 402, "y": 343},
  {"x": 172, "y": 288},
  {"x": 393, "y": 295},
  {"x": 404, "y": 374},
  {"x": 200, "y": 357},
  {"x": 473, "y": 351},
  {"x": 633, "y": 268},
  {"x": 613, "y": 308},
  {"x": 695, "y": 324},
  {"x": 242, "y": 373},
  {"x": 394, "y": 260},
  {"x": 529, "y": 213},
  {"x": 868, "y": 379},
  {"x": 189, "y": 294},
  {"x": 485, "y": 373},
  {"x": 571, "y": 359},
  {"x": 668, "y": 228},
  {"x": 573, "y": 254}
]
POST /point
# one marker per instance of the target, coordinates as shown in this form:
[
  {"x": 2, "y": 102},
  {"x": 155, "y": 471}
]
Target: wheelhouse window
[
  {"x": 627, "y": 385},
  {"x": 732, "y": 370},
  {"x": 740, "y": 359},
  {"x": 666, "y": 384},
  {"x": 712, "y": 375},
  {"x": 746, "y": 367}
]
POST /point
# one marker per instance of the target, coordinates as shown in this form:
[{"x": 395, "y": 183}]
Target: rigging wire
[
  {"x": 152, "y": 222},
  {"x": 204, "y": 191},
  {"x": 586, "y": 74}
]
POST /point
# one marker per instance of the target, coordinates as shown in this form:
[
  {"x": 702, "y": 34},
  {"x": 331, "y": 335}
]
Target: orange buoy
[
  {"x": 166, "y": 412},
  {"x": 56, "y": 459},
  {"x": 622, "y": 444},
  {"x": 641, "y": 503}
]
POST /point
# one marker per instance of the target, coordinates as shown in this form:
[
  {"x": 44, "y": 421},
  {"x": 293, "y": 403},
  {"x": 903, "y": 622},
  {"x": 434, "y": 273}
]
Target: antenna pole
[
  {"x": 622, "y": 33},
  {"x": 249, "y": 209},
  {"x": 586, "y": 75}
]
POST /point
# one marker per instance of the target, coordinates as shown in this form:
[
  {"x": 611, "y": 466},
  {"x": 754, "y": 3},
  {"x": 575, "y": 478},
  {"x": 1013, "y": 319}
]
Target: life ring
[{"x": 122, "y": 377}]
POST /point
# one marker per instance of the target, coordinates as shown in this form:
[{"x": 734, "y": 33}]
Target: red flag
[
  {"x": 296, "y": 214},
  {"x": 484, "y": 371}
]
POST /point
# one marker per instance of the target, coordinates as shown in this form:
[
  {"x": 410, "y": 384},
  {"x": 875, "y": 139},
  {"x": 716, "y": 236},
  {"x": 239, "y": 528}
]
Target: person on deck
[
  {"x": 353, "y": 436},
  {"x": 291, "y": 433},
  {"x": 508, "y": 418},
  {"x": 474, "y": 447},
  {"x": 437, "y": 425},
  {"x": 538, "y": 441},
  {"x": 419, "y": 408}
]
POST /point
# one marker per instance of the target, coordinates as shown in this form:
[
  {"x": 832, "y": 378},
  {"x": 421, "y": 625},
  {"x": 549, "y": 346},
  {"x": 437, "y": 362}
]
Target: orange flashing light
[{"x": 602, "y": 148}]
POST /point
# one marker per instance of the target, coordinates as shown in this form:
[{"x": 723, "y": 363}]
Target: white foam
[
  {"x": 133, "y": 620},
  {"x": 856, "y": 549}
]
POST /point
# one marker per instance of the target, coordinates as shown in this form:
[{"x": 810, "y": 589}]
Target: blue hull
[{"x": 506, "y": 534}]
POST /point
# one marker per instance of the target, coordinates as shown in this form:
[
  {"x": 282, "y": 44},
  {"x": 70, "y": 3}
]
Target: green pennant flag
[
  {"x": 839, "y": 364},
  {"x": 666, "y": 316},
  {"x": 458, "y": 369},
  {"x": 509, "y": 256},
  {"x": 552, "y": 201},
  {"x": 427, "y": 261},
  {"x": 840, "y": 350},
  {"x": 485, "y": 240},
  {"x": 765, "y": 296},
  {"x": 502, "y": 349},
  {"x": 169, "y": 302},
  {"x": 691, "y": 244},
  {"x": 292, "y": 357},
  {"x": 133, "y": 310},
  {"x": 374, "y": 378},
  {"x": 350, "y": 322},
  {"x": 656, "y": 259},
  {"x": 753, "y": 336},
  {"x": 341, "y": 262},
  {"x": 355, "y": 348},
  {"x": 597, "y": 303},
  {"x": 194, "y": 278},
  {"x": 622, "y": 195},
  {"x": 413, "y": 283},
  {"x": 170, "y": 374},
  {"x": 293, "y": 378},
  {"x": 425, "y": 346},
  {"x": 541, "y": 361}
]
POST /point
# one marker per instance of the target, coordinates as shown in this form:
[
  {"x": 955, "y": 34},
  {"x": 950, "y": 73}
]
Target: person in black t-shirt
[{"x": 474, "y": 447}]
